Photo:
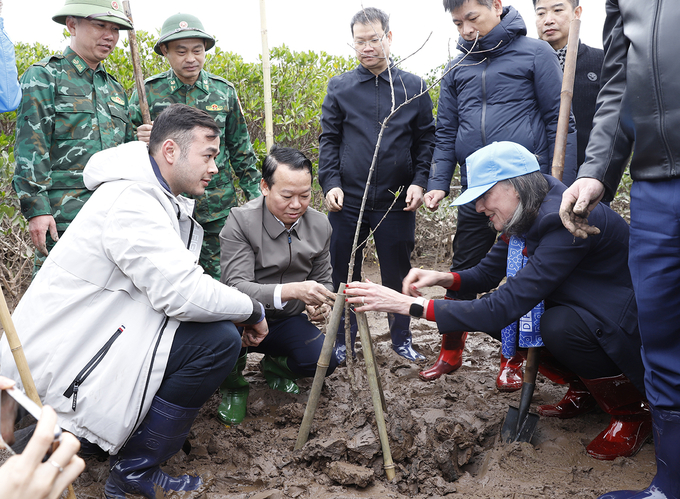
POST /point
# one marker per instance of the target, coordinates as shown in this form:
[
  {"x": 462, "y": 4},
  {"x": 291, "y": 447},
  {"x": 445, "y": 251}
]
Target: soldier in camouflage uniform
[
  {"x": 71, "y": 108},
  {"x": 183, "y": 41}
]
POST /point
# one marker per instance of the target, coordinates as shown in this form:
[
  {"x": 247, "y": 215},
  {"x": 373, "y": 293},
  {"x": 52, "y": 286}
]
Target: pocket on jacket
[{"x": 73, "y": 117}]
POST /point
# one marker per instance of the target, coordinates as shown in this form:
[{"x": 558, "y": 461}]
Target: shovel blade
[{"x": 509, "y": 432}]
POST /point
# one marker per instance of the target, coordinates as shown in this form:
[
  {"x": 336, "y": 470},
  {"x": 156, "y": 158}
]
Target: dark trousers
[
  {"x": 394, "y": 242},
  {"x": 472, "y": 241},
  {"x": 573, "y": 344},
  {"x": 299, "y": 340},
  {"x": 201, "y": 357},
  {"x": 654, "y": 261}
]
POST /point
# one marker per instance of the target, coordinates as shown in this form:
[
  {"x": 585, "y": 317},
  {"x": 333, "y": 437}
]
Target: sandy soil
[{"x": 444, "y": 438}]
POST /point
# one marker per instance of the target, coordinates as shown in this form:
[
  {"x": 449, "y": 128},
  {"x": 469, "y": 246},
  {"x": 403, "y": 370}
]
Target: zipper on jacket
[
  {"x": 72, "y": 390},
  {"x": 657, "y": 78},
  {"x": 484, "y": 104},
  {"x": 290, "y": 256}
]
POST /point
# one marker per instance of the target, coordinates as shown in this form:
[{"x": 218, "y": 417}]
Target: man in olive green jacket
[{"x": 183, "y": 41}]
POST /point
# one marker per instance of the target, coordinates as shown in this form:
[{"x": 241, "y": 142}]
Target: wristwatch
[{"x": 417, "y": 307}]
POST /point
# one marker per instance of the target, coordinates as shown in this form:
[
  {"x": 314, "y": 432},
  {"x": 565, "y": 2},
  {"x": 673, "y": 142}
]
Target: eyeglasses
[{"x": 375, "y": 42}]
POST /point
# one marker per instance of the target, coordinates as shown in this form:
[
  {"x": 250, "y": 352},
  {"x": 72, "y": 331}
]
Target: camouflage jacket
[
  {"x": 68, "y": 112},
  {"x": 218, "y": 97}
]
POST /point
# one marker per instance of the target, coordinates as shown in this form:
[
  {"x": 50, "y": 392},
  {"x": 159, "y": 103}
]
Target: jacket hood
[
  {"x": 500, "y": 37},
  {"x": 125, "y": 162}
]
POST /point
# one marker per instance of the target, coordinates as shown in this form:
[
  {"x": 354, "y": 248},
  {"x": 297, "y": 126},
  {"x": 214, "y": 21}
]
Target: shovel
[{"x": 519, "y": 423}]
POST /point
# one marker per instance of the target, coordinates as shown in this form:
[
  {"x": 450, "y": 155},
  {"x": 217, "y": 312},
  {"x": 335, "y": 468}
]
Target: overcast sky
[{"x": 318, "y": 25}]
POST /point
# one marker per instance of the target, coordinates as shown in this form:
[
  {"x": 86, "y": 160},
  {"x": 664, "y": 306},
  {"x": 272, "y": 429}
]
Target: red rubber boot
[
  {"x": 578, "y": 400},
  {"x": 631, "y": 422},
  {"x": 450, "y": 357},
  {"x": 510, "y": 376}
]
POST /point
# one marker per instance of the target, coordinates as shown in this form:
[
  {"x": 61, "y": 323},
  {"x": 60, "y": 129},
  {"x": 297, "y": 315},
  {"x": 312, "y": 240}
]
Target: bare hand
[
  {"x": 414, "y": 198},
  {"x": 253, "y": 334},
  {"x": 144, "y": 132},
  {"x": 309, "y": 292},
  {"x": 24, "y": 475},
  {"x": 319, "y": 313},
  {"x": 371, "y": 296},
  {"x": 38, "y": 227},
  {"x": 432, "y": 199},
  {"x": 334, "y": 199},
  {"x": 577, "y": 202},
  {"x": 417, "y": 279}
]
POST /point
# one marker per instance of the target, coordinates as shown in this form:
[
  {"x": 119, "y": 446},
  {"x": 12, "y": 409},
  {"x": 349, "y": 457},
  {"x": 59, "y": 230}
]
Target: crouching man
[
  {"x": 125, "y": 334},
  {"x": 276, "y": 250}
]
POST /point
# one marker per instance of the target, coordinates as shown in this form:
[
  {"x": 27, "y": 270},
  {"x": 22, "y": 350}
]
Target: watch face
[{"x": 416, "y": 310}]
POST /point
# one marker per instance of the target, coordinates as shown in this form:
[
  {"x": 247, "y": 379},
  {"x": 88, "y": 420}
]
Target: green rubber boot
[
  {"x": 277, "y": 374},
  {"x": 234, "y": 392}
]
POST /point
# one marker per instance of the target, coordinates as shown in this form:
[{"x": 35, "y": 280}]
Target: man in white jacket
[{"x": 125, "y": 335}]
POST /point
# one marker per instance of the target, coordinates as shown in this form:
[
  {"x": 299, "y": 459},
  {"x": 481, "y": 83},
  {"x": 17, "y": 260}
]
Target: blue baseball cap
[{"x": 493, "y": 163}]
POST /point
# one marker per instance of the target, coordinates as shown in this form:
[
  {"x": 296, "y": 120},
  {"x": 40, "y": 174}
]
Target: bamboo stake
[
  {"x": 21, "y": 362},
  {"x": 566, "y": 96},
  {"x": 266, "y": 72},
  {"x": 371, "y": 373},
  {"x": 321, "y": 367},
  {"x": 137, "y": 67}
]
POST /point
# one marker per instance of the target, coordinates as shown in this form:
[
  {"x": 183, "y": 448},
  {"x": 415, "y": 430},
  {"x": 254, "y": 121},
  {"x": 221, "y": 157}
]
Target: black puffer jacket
[{"x": 639, "y": 104}]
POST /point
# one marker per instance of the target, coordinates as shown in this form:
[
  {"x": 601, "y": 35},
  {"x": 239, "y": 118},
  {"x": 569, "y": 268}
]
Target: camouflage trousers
[{"x": 210, "y": 251}]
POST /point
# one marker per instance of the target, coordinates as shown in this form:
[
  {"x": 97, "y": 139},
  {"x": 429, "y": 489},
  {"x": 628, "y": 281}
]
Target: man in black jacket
[
  {"x": 639, "y": 113},
  {"x": 355, "y": 107},
  {"x": 553, "y": 18}
]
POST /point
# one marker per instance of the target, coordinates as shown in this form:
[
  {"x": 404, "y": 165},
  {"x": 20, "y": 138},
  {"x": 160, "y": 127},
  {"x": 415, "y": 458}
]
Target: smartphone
[{"x": 32, "y": 408}]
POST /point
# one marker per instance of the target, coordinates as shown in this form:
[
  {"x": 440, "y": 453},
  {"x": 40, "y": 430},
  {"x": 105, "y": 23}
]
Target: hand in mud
[
  {"x": 417, "y": 279},
  {"x": 253, "y": 334},
  {"x": 318, "y": 313},
  {"x": 577, "y": 203}
]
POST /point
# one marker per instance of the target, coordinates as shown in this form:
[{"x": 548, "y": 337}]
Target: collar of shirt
[
  {"x": 77, "y": 62},
  {"x": 159, "y": 176},
  {"x": 365, "y": 74},
  {"x": 202, "y": 83},
  {"x": 562, "y": 55},
  {"x": 274, "y": 226}
]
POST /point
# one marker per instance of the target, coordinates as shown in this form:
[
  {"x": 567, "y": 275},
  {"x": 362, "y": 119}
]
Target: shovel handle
[{"x": 527, "y": 394}]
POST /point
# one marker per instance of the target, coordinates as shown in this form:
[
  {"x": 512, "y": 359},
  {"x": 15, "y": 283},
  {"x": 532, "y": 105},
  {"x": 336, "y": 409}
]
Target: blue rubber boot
[
  {"x": 340, "y": 347},
  {"x": 666, "y": 483},
  {"x": 136, "y": 468},
  {"x": 401, "y": 337}
]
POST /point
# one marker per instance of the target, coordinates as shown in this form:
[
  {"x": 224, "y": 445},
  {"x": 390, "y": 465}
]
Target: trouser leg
[{"x": 654, "y": 261}]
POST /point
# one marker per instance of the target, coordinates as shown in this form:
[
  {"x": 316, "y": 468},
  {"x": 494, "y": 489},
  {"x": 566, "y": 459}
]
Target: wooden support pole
[
  {"x": 321, "y": 368},
  {"x": 372, "y": 375},
  {"x": 266, "y": 72},
  {"x": 566, "y": 96},
  {"x": 137, "y": 67}
]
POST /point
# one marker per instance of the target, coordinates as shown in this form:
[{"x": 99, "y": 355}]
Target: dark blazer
[
  {"x": 639, "y": 104},
  {"x": 257, "y": 253},
  {"x": 507, "y": 88},
  {"x": 355, "y": 106},
  {"x": 588, "y": 275},
  {"x": 586, "y": 87}
]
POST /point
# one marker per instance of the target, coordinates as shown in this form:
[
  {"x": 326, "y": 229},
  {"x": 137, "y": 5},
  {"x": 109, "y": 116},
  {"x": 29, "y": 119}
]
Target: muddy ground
[{"x": 444, "y": 437}]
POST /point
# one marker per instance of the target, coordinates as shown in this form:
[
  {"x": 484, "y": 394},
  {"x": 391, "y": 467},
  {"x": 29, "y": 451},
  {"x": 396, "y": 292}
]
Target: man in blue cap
[{"x": 581, "y": 287}]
